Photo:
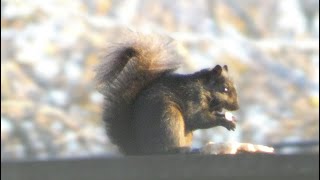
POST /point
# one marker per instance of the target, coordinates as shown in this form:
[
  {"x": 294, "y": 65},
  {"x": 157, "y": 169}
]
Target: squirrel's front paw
[
  {"x": 230, "y": 125},
  {"x": 227, "y": 120}
]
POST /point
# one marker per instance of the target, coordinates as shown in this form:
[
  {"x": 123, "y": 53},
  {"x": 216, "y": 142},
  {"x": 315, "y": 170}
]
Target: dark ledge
[{"x": 242, "y": 166}]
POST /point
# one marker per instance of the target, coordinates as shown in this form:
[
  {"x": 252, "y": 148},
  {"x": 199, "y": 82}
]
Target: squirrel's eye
[{"x": 226, "y": 89}]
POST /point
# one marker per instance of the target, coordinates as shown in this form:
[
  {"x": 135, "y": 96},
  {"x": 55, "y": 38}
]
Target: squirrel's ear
[
  {"x": 217, "y": 70},
  {"x": 225, "y": 67}
]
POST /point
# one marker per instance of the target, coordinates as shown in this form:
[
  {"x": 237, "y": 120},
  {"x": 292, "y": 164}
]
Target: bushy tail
[{"x": 128, "y": 67}]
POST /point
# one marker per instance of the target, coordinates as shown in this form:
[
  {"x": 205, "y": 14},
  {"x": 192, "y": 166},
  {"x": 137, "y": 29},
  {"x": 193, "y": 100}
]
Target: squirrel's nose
[{"x": 234, "y": 106}]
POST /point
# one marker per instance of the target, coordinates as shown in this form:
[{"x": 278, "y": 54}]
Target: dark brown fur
[{"x": 148, "y": 108}]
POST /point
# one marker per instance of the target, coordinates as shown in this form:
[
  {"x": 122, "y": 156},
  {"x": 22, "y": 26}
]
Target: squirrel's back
[{"x": 126, "y": 69}]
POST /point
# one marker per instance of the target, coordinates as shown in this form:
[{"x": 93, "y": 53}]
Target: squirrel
[{"x": 150, "y": 109}]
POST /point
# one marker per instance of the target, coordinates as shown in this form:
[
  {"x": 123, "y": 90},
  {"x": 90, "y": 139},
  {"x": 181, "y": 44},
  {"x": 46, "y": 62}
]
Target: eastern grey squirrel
[{"x": 150, "y": 109}]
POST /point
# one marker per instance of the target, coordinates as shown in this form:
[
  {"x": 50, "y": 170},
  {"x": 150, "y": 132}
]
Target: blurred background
[{"x": 50, "y": 107}]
